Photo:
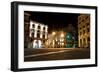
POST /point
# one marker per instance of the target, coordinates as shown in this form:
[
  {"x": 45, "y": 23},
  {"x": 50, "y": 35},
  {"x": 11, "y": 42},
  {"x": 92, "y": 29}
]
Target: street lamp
[
  {"x": 62, "y": 35},
  {"x": 53, "y": 33}
]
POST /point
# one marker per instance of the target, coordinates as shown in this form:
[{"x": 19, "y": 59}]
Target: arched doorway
[{"x": 37, "y": 44}]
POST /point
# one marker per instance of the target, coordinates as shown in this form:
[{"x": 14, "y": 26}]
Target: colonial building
[
  {"x": 38, "y": 34},
  {"x": 84, "y": 30}
]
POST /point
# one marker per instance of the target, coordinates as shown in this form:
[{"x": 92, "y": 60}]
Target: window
[
  {"x": 79, "y": 22},
  {"x": 32, "y": 34},
  {"x": 43, "y": 28},
  {"x": 43, "y": 41},
  {"x": 84, "y": 42},
  {"x": 32, "y": 30},
  {"x": 43, "y": 36},
  {"x": 38, "y": 35},
  {"x": 33, "y": 25},
  {"x": 38, "y": 31},
  {"x": 88, "y": 39},
  {"x": 82, "y": 20},
  {"x": 80, "y": 42},
  {"x": 88, "y": 30},
  {"x": 87, "y": 24},
  {"x": 80, "y": 33},
  {"x": 83, "y": 26},
  {"x": 26, "y": 18},
  {"x": 83, "y": 31},
  {"x": 38, "y": 27},
  {"x": 86, "y": 17}
]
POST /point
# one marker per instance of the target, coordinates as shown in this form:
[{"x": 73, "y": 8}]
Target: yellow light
[
  {"x": 53, "y": 43},
  {"x": 62, "y": 35},
  {"x": 56, "y": 39},
  {"x": 62, "y": 40},
  {"x": 53, "y": 33},
  {"x": 62, "y": 43}
]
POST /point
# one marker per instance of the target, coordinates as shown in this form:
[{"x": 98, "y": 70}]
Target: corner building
[
  {"x": 38, "y": 34},
  {"x": 84, "y": 30}
]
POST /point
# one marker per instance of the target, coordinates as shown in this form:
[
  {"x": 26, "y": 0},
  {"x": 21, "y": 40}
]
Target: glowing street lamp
[
  {"x": 62, "y": 35},
  {"x": 53, "y": 33}
]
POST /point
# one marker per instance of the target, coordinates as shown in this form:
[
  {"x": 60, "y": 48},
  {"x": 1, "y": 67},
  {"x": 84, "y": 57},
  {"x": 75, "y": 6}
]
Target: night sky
[{"x": 54, "y": 20}]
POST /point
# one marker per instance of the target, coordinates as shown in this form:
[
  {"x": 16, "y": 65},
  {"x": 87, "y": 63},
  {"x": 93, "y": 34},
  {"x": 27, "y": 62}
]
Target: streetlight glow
[
  {"x": 53, "y": 33},
  {"x": 62, "y": 35}
]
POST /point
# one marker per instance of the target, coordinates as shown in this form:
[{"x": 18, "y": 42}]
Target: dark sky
[{"x": 54, "y": 20}]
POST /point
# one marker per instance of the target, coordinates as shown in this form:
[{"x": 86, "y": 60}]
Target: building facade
[
  {"x": 38, "y": 34},
  {"x": 26, "y": 30},
  {"x": 56, "y": 39},
  {"x": 84, "y": 30}
]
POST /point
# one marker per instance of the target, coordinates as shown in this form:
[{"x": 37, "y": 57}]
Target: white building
[{"x": 38, "y": 33}]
